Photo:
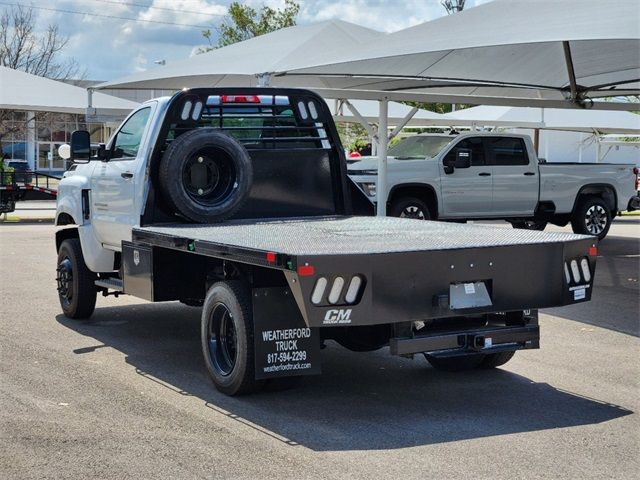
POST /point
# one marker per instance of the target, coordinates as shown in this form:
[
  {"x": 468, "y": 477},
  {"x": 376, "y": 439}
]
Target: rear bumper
[
  {"x": 634, "y": 203},
  {"x": 483, "y": 340},
  {"x": 414, "y": 286}
]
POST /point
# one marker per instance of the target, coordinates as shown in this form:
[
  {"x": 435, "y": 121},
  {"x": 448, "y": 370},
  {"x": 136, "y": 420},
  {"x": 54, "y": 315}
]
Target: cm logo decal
[{"x": 342, "y": 315}]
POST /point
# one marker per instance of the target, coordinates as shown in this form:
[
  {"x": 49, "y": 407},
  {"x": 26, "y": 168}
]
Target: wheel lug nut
[
  {"x": 200, "y": 191},
  {"x": 200, "y": 159}
]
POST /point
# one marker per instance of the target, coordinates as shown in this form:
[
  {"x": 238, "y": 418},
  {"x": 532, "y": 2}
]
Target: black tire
[
  {"x": 227, "y": 338},
  {"x": 591, "y": 217},
  {"x": 410, "y": 207},
  {"x": 76, "y": 283},
  {"x": 456, "y": 364},
  {"x": 206, "y": 175},
  {"x": 529, "y": 224},
  {"x": 493, "y": 360}
]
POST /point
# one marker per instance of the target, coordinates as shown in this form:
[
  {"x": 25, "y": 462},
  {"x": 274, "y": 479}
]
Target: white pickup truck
[{"x": 497, "y": 176}]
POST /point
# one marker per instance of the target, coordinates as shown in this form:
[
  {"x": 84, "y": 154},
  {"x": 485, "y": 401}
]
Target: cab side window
[
  {"x": 476, "y": 145},
  {"x": 129, "y": 137},
  {"x": 507, "y": 151}
]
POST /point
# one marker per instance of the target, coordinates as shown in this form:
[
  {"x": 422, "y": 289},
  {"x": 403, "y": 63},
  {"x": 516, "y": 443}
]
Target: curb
[{"x": 36, "y": 220}]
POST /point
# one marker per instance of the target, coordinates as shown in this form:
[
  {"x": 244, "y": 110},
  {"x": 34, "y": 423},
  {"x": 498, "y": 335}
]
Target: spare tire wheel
[{"x": 206, "y": 175}]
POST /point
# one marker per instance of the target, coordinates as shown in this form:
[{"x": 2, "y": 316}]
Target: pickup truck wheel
[
  {"x": 76, "y": 283},
  {"x": 529, "y": 224},
  {"x": 591, "y": 217},
  {"x": 227, "y": 338},
  {"x": 206, "y": 175},
  {"x": 410, "y": 207},
  {"x": 456, "y": 364},
  {"x": 493, "y": 360}
]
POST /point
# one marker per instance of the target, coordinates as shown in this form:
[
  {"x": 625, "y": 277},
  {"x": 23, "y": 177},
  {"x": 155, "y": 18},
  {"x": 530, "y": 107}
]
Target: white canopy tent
[
  {"x": 399, "y": 114},
  {"x": 246, "y": 63},
  {"x": 543, "y": 49},
  {"x": 589, "y": 121},
  {"x": 543, "y": 53},
  {"x": 23, "y": 91}
]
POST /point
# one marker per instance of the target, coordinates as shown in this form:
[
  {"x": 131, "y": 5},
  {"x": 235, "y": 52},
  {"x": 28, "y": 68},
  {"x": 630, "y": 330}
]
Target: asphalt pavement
[{"x": 125, "y": 394}]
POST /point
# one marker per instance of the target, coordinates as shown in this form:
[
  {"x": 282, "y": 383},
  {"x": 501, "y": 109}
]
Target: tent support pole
[
  {"x": 403, "y": 123},
  {"x": 381, "y": 187},
  {"x": 536, "y": 140},
  {"x": 573, "y": 85},
  {"x": 354, "y": 111}
]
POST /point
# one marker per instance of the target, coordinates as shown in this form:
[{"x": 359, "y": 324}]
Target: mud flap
[{"x": 284, "y": 345}]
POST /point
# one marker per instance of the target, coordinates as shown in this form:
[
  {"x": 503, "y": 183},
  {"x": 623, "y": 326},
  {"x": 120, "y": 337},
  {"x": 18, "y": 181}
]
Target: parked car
[{"x": 497, "y": 176}]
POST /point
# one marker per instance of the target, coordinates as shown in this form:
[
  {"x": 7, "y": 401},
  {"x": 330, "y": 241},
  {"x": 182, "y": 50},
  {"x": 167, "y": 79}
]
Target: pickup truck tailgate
[{"x": 397, "y": 269}]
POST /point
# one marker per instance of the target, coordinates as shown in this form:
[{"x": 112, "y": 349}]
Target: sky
[{"x": 147, "y": 31}]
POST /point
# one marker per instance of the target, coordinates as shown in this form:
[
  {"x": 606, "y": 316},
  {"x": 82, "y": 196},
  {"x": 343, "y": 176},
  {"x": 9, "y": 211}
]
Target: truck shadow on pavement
[{"x": 360, "y": 402}]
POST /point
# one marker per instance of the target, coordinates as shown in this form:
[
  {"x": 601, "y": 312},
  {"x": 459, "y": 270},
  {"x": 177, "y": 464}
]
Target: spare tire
[{"x": 206, "y": 175}]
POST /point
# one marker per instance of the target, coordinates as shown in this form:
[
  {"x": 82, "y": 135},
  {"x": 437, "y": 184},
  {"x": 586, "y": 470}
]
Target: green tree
[{"x": 245, "y": 22}]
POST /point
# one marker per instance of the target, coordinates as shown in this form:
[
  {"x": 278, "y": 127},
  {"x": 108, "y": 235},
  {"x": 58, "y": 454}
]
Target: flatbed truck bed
[{"x": 422, "y": 266}]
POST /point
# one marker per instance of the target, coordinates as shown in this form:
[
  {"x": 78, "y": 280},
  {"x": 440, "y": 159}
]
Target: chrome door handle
[
  {"x": 484, "y": 174},
  {"x": 529, "y": 174}
]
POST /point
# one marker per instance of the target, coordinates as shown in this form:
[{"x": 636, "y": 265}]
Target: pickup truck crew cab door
[
  {"x": 515, "y": 178},
  {"x": 113, "y": 193},
  {"x": 466, "y": 192}
]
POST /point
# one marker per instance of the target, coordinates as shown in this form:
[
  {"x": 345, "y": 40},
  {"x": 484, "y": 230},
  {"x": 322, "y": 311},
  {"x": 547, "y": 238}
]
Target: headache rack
[{"x": 299, "y": 168}]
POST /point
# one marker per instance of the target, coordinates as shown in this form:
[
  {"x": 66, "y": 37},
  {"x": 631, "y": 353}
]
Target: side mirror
[
  {"x": 80, "y": 146},
  {"x": 463, "y": 158}
]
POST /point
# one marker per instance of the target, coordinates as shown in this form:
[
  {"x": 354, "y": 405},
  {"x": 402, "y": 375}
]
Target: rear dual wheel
[
  {"x": 228, "y": 344},
  {"x": 227, "y": 338}
]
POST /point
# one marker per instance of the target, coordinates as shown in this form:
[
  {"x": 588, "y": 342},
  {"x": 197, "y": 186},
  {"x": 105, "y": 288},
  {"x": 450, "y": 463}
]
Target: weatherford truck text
[
  {"x": 498, "y": 176},
  {"x": 238, "y": 201}
]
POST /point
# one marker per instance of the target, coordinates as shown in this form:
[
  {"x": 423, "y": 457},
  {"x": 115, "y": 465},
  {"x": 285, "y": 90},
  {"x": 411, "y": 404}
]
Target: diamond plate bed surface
[{"x": 354, "y": 235}]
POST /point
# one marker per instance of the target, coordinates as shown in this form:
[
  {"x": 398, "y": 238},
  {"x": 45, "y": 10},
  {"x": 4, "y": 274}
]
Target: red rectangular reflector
[
  {"x": 271, "y": 257},
  {"x": 306, "y": 270},
  {"x": 593, "y": 251},
  {"x": 239, "y": 99}
]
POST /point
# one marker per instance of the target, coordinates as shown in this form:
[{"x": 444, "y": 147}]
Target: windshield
[{"x": 419, "y": 146}]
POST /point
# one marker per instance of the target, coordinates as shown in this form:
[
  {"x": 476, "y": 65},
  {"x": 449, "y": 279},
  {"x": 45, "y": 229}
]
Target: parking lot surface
[{"x": 125, "y": 394}]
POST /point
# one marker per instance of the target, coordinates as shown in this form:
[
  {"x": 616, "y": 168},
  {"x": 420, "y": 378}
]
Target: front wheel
[
  {"x": 410, "y": 207},
  {"x": 592, "y": 217},
  {"x": 227, "y": 338},
  {"x": 76, "y": 283}
]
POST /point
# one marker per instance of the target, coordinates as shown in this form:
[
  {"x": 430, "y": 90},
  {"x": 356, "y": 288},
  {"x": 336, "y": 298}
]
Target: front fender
[{"x": 69, "y": 200}]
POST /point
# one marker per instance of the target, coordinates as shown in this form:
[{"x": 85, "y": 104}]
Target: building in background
[{"x": 38, "y": 114}]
